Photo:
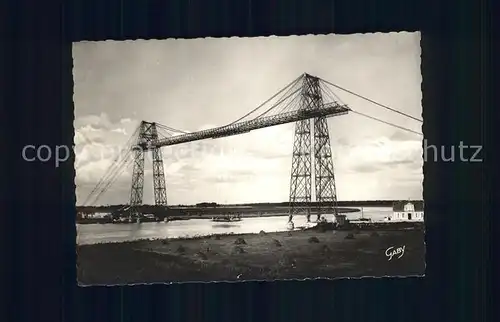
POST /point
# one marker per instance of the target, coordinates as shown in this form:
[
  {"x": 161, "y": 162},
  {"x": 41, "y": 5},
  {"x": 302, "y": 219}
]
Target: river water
[{"x": 106, "y": 233}]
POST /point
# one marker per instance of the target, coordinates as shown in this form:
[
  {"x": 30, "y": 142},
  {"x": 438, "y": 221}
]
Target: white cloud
[
  {"x": 119, "y": 130},
  {"x": 379, "y": 151},
  {"x": 95, "y": 121}
]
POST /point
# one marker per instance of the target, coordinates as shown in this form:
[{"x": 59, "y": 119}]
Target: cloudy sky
[{"x": 198, "y": 84}]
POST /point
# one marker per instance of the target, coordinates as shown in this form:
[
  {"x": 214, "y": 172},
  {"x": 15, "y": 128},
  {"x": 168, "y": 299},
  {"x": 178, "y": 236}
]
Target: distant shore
[
  {"x": 246, "y": 206},
  {"x": 212, "y": 212},
  {"x": 266, "y": 256}
]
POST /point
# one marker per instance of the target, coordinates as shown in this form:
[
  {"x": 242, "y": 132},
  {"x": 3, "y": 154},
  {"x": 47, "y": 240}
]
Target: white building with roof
[{"x": 407, "y": 211}]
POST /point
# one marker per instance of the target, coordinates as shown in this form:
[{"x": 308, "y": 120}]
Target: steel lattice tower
[
  {"x": 147, "y": 135},
  {"x": 303, "y": 152}
]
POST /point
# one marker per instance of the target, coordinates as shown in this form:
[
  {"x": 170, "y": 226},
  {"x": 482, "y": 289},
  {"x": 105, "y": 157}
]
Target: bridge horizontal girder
[{"x": 327, "y": 110}]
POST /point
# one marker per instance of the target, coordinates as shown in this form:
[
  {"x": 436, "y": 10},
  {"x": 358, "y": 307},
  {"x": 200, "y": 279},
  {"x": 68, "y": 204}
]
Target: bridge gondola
[{"x": 227, "y": 218}]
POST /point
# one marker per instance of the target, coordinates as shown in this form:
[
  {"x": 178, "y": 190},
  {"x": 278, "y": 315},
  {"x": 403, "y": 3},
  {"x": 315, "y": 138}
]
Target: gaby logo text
[{"x": 393, "y": 251}]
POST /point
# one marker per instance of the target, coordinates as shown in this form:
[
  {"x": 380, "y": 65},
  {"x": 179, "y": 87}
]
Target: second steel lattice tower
[{"x": 312, "y": 144}]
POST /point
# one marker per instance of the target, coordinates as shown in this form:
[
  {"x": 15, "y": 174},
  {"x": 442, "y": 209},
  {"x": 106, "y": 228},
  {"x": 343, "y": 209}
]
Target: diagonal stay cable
[
  {"x": 171, "y": 129},
  {"x": 325, "y": 89},
  {"x": 329, "y": 92},
  {"x": 385, "y": 122},
  {"x": 108, "y": 181},
  {"x": 284, "y": 97},
  {"x": 123, "y": 165},
  {"x": 372, "y": 101},
  {"x": 291, "y": 105},
  {"x": 268, "y": 100},
  {"x": 111, "y": 169},
  {"x": 109, "y": 173},
  {"x": 162, "y": 133},
  {"x": 277, "y": 103},
  {"x": 112, "y": 180}
]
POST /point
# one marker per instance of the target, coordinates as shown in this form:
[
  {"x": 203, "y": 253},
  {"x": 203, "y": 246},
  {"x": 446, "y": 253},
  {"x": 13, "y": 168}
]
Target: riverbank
[
  {"x": 209, "y": 214},
  {"x": 249, "y": 206},
  {"x": 265, "y": 256}
]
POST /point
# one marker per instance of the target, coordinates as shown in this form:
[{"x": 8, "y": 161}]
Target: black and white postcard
[{"x": 237, "y": 159}]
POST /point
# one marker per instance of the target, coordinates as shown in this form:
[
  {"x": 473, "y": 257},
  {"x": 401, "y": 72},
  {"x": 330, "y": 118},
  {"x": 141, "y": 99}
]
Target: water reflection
[
  {"x": 98, "y": 233},
  {"x": 225, "y": 225}
]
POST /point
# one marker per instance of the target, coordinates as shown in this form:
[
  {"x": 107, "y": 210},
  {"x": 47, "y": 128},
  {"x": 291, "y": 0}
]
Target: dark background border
[{"x": 39, "y": 261}]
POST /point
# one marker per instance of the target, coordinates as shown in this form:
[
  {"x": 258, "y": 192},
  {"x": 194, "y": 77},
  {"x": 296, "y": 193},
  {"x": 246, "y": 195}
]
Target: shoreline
[
  {"x": 245, "y": 206},
  {"x": 262, "y": 256},
  {"x": 351, "y": 227},
  {"x": 268, "y": 213}
]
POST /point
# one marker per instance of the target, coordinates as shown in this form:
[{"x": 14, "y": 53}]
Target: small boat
[{"x": 226, "y": 219}]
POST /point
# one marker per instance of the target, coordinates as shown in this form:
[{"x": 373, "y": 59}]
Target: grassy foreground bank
[{"x": 264, "y": 256}]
